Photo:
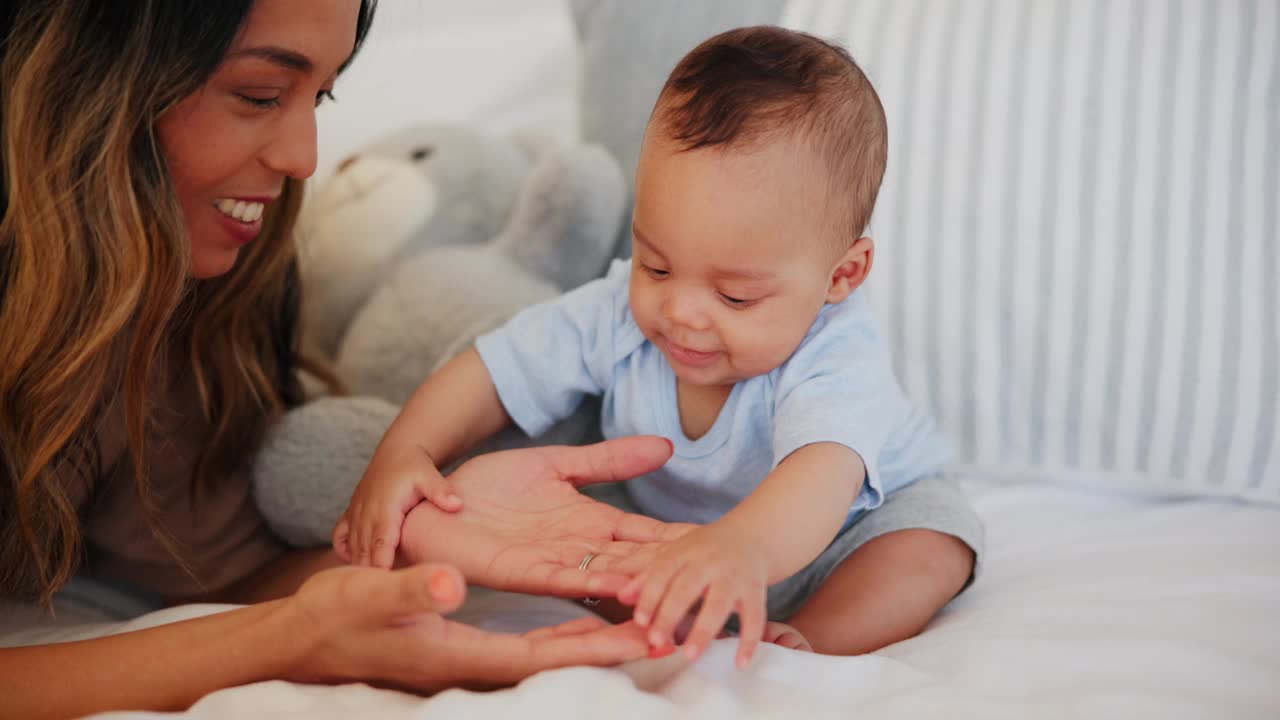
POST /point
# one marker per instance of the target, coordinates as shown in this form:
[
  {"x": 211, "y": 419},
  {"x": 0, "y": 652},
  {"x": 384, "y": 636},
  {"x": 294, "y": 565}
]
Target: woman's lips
[{"x": 241, "y": 232}]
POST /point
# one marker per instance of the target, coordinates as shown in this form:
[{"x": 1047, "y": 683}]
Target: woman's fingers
[
  {"x": 625, "y": 559},
  {"x": 573, "y": 581},
  {"x": 608, "y": 645},
  {"x": 609, "y": 461},
  {"x": 640, "y": 529},
  {"x": 573, "y": 627},
  {"x": 430, "y": 588}
]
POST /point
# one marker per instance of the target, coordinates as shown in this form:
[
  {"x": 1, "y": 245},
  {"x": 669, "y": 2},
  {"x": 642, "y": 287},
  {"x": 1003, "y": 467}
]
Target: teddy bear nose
[
  {"x": 346, "y": 163},
  {"x": 421, "y": 153}
]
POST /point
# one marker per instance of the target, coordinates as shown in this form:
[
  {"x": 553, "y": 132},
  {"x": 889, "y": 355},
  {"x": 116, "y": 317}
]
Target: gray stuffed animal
[
  {"x": 411, "y": 254},
  {"x": 422, "y": 187}
]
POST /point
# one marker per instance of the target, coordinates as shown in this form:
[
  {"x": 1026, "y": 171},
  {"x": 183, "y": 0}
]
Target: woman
[{"x": 153, "y": 154}]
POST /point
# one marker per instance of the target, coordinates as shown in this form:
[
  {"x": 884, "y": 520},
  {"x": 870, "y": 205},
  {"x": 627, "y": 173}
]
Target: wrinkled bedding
[{"x": 1090, "y": 606}]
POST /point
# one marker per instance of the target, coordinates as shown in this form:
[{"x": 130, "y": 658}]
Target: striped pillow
[{"x": 1079, "y": 252}]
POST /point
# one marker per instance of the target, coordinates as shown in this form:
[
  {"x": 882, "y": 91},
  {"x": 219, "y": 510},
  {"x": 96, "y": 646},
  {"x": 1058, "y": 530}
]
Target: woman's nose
[{"x": 292, "y": 151}]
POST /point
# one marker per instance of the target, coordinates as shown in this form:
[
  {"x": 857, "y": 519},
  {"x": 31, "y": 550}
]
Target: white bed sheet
[{"x": 1090, "y": 606}]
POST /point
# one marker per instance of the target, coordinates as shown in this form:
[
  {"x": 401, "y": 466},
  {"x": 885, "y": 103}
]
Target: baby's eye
[
  {"x": 655, "y": 271},
  {"x": 737, "y": 303}
]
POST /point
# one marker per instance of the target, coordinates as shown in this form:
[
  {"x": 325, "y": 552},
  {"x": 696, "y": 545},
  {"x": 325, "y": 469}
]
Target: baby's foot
[
  {"x": 786, "y": 636},
  {"x": 774, "y": 632}
]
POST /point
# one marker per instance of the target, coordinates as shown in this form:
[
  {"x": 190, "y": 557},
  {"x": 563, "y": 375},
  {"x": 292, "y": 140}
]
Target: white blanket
[{"x": 1090, "y": 606}]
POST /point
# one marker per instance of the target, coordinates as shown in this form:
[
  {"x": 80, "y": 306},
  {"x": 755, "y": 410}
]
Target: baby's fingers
[
  {"x": 716, "y": 606},
  {"x": 684, "y": 590},
  {"x": 377, "y": 538},
  {"x": 341, "y": 539},
  {"x": 647, "y": 590},
  {"x": 439, "y": 492},
  {"x": 751, "y": 619}
]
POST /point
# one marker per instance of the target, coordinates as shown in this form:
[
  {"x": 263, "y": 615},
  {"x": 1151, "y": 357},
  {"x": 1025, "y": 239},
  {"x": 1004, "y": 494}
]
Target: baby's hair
[{"x": 745, "y": 84}]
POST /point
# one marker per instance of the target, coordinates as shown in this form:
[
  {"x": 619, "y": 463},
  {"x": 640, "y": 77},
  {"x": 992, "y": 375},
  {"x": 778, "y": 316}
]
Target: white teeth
[{"x": 245, "y": 212}]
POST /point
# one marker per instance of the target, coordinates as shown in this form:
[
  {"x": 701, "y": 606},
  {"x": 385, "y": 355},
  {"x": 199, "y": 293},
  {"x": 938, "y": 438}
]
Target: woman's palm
[{"x": 525, "y": 527}]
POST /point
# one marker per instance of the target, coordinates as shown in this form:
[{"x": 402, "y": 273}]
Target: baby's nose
[{"x": 684, "y": 310}]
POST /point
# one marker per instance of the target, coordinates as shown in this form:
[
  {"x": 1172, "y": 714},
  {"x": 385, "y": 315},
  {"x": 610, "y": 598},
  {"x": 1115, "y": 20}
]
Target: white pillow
[{"x": 1078, "y": 244}]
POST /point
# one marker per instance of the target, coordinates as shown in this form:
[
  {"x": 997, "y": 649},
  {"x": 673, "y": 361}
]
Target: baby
[{"x": 737, "y": 331}]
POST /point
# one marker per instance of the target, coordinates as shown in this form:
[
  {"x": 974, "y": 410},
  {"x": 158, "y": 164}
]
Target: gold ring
[{"x": 583, "y": 566}]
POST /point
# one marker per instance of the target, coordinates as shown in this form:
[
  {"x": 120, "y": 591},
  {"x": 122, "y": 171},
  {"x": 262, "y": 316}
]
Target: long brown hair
[{"x": 94, "y": 286}]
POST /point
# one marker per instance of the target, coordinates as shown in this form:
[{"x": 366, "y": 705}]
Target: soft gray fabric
[{"x": 628, "y": 49}]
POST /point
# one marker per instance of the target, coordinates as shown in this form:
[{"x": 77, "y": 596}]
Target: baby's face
[{"x": 731, "y": 258}]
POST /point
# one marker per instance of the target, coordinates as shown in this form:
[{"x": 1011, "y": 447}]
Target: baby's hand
[
  {"x": 723, "y": 569},
  {"x": 397, "y": 480}
]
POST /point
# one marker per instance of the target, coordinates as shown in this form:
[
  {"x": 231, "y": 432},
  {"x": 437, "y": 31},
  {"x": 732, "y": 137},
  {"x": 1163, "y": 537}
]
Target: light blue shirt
[{"x": 837, "y": 386}]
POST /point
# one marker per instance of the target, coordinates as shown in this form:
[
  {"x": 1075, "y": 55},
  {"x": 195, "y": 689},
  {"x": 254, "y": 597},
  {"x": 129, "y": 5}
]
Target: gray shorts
[{"x": 934, "y": 503}]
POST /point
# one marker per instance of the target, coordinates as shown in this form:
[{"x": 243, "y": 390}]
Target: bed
[{"x": 1133, "y": 562}]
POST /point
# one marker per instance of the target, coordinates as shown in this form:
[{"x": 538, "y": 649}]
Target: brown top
[{"x": 222, "y": 538}]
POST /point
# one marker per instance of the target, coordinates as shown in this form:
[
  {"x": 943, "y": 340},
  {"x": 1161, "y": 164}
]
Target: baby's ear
[{"x": 851, "y": 269}]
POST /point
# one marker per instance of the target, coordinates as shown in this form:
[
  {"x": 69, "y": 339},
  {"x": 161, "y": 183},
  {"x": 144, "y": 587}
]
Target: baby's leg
[
  {"x": 888, "y": 574},
  {"x": 886, "y": 591}
]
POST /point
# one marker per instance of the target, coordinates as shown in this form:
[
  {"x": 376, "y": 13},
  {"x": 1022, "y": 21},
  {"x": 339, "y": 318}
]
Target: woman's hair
[{"x": 95, "y": 294}]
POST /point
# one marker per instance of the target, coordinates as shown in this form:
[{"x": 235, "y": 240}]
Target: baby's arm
[
  {"x": 778, "y": 529},
  {"x": 453, "y": 410}
]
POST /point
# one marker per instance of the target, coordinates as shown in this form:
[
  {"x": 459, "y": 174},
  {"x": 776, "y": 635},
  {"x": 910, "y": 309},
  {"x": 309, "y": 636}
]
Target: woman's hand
[
  {"x": 526, "y": 528},
  {"x": 386, "y": 628}
]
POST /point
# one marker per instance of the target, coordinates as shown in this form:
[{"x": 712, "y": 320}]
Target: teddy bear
[
  {"x": 415, "y": 246},
  {"x": 417, "y": 188}
]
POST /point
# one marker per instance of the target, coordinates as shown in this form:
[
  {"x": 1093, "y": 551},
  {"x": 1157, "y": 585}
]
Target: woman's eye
[
  {"x": 324, "y": 95},
  {"x": 732, "y": 300},
  {"x": 262, "y": 103}
]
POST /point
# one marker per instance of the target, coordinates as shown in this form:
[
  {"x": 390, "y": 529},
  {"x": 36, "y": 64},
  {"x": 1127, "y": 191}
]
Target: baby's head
[{"x": 758, "y": 174}]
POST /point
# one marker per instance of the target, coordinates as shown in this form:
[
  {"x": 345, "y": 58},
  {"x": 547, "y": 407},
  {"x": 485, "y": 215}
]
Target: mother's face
[{"x": 231, "y": 144}]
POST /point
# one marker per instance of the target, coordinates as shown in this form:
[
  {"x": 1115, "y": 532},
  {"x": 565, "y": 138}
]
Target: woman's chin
[{"x": 206, "y": 265}]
